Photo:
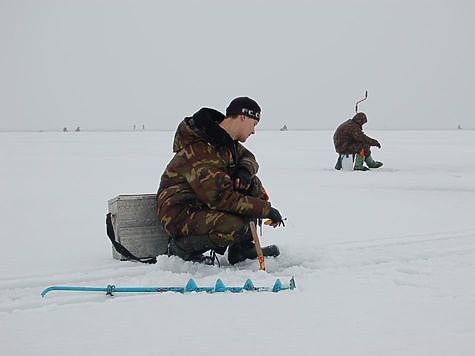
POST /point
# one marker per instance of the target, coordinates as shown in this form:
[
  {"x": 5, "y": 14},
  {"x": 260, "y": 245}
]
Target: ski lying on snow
[{"x": 191, "y": 286}]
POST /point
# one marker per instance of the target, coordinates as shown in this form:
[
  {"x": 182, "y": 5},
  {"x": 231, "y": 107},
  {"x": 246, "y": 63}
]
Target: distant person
[
  {"x": 209, "y": 191},
  {"x": 349, "y": 138}
]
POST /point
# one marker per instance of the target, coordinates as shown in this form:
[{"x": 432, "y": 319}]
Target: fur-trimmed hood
[{"x": 202, "y": 126}]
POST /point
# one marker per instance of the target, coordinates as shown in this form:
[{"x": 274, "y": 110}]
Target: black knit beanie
[{"x": 244, "y": 106}]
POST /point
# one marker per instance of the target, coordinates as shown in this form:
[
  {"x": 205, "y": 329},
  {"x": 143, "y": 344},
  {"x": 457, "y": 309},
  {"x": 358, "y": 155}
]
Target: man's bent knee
[{"x": 231, "y": 229}]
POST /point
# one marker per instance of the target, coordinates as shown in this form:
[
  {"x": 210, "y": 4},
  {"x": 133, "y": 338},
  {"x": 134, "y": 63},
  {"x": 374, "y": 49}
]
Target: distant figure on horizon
[
  {"x": 78, "y": 129},
  {"x": 284, "y": 128},
  {"x": 65, "y": 129},
  {"x": 349, "y": 138}
]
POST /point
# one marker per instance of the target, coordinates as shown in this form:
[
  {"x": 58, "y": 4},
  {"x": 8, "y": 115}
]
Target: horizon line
[{"x": 168, "y": 130}]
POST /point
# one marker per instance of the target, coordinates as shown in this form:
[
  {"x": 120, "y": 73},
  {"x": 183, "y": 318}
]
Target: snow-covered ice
[{"x": 384, "y": 260}]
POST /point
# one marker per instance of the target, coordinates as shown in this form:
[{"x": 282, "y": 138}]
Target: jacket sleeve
[
  {"x": 214, "y": 187},
  {"x": 359, "y": 136},
  {"x": 247, "y": 160}
]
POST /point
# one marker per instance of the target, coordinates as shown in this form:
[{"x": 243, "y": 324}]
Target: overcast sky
[{"x": 103, "y": 64}]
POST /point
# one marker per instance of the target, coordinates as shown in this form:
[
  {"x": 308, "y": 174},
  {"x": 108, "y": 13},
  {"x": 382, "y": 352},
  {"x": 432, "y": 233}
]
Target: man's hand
[
  {"x": 378, "y": 144},
  {"x": 242, "y": 179},
  {"x": 275, "y": 217}
]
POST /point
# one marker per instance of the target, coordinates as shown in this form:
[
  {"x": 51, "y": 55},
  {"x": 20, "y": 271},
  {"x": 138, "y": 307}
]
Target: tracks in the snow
[{"x": 405, "y": 253}]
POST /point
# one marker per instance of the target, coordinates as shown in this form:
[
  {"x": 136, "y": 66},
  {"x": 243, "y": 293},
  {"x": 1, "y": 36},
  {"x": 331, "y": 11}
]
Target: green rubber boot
[
  {"x": 371, "y": 163},
  {"x": 359, "y": 160}
]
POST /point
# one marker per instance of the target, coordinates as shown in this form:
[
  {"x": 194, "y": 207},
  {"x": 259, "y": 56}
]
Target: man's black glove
[
  {"x": 275, "y": 217},
  {"x": 242, "y": 179},
  {"x": 378, "y": 144}
]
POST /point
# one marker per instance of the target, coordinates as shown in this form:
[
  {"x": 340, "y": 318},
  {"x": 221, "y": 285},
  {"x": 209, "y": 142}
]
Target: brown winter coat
[
  {"x": 349, "y": 137},
  {"x": 198, "y": 178}
]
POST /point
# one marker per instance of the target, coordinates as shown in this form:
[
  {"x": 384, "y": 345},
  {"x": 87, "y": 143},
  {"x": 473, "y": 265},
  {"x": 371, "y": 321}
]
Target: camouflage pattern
[
  {"x": 196, "y": 194},
  {"x": 349, "y": 137}
]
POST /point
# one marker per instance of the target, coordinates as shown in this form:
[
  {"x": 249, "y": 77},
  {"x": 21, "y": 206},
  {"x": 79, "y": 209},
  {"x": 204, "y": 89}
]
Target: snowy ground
[{"x": 384, "y": 260}]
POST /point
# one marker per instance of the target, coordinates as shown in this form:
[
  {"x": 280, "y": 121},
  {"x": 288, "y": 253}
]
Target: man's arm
[
  {"x": 247, "y": 160},
  {"x": 215, "y": 188},
  {"x": 246, "y": 169},
  {"x": 359, "y": 136}
]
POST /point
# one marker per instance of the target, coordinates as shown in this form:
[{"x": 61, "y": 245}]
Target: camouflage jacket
[
  {"x": 350, "y": 133},
  {"x": 199, "y": 175}
]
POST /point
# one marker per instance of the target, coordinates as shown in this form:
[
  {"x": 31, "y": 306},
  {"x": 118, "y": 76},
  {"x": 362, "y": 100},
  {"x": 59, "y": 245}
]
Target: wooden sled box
[{"x": 136, "y": 226}]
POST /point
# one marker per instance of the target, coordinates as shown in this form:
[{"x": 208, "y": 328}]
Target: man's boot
[
  {"x": 191, "y": 248},
  {"x": 338, "y": 163},
  {"x": 359, "y": 160},
  {"x": 241, "y": 251},
  {"x": 372, "y": 163}
]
